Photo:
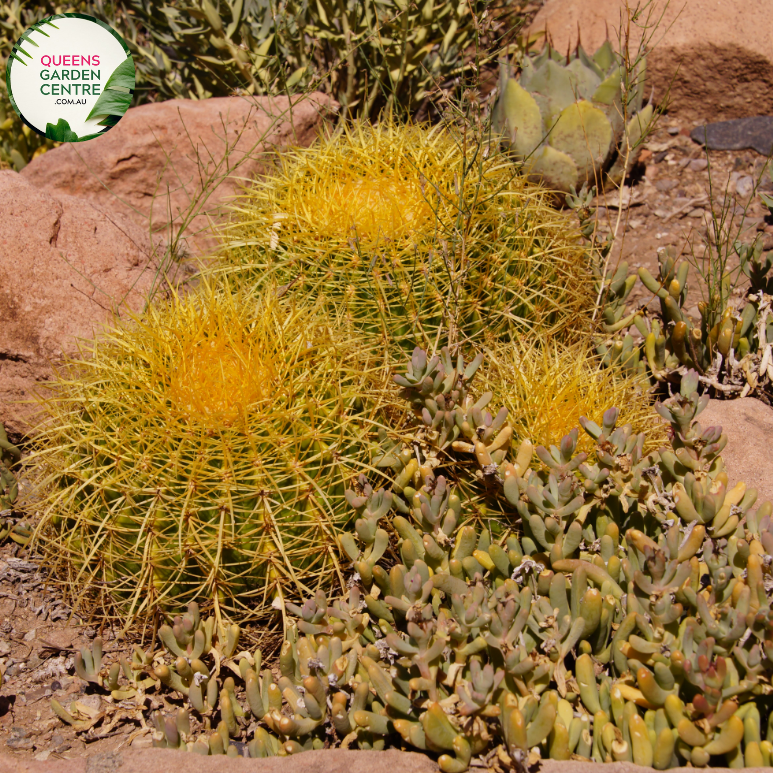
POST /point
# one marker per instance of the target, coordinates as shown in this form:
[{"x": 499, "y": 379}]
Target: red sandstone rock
[
  {"x": 748, "y": 455},
  {"x": 151, "y": 163},
  {"x": 717, "y": 59},
  {"x": 65, "y": 262},
  {"x": 169, "y": 761},
  {"x": 325, "y": 761}
]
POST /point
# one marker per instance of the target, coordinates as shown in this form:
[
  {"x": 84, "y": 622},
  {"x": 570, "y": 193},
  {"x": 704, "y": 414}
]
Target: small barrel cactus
[
  {"x": 204, "y": 451},
  {"x": 566, "y": 116},
  {"x": 547, "y": 388}
]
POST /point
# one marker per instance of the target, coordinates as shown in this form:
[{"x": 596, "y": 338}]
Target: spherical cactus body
[
  {"x": 203, "y": 451},
  {"x": 412, "y": 231}
]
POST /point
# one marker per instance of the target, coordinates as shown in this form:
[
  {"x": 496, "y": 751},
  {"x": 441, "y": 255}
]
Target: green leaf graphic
[
  {"x": 113, "y": 101},
  {"x": 61, "y": 132},
  {"x": 26, "y": 36}
]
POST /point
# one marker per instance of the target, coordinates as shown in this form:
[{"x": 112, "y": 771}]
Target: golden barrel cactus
[
  {"x": 546, "y": 389},
  {"x": 203, "y": 451},
  {"x": 414, "y": 233}
]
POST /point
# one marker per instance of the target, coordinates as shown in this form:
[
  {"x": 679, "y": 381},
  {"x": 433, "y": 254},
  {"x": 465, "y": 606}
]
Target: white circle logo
[{"x": 70, "y": 77}]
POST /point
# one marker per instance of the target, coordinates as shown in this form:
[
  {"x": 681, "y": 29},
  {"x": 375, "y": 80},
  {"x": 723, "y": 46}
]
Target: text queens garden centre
[
  {"x": 66, "y": 75},
  {"x": 70, "y": 77}
]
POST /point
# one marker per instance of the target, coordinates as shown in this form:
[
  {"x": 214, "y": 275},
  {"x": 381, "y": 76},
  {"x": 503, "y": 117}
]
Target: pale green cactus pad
[{"x": 566, "y": 119}]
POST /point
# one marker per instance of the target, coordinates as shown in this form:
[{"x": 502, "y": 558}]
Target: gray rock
[
  {"x": 744, "y": 186},
  {"x": 666, "y": 185},
  {"x": 739, "y": 134}
]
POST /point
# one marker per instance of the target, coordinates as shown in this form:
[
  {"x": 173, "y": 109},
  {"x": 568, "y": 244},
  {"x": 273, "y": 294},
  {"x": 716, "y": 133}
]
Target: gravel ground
[
  {"x": 670, "y": 203},
  {"x": 38, "y": 637}
]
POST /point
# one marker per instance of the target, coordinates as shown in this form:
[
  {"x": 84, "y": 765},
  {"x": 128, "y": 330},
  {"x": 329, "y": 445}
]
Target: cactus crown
[
  {"x": 220, "y": 372},
  {"x": 546, "y": 389}
]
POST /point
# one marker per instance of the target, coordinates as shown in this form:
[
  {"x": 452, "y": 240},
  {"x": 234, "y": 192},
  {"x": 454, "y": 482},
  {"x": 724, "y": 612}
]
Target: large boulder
[
  {"x": 716, "y": 57},
  {"x": 66, "y": 264},
  {"x": 162, "y": 157},
  {"x": 748, "y": 455}
]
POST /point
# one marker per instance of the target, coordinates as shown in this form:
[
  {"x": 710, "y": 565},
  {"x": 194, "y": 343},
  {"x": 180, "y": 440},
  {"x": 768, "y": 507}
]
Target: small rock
[
  {"x": 698, "y": 164},
  {"x": 665, "y": 185},
  {"x": 75, "y": 687},
  {"x": 20, "y": 744},
  {"x": 30, "y": 635},
  {"x": 739, "y": 163},
  {"x": 92, "y": 701},
  {"x": 20, "y": 739},
  {"x": 739, "y": 134},
  {"x": 37, "y": 694},
  {"x": 697, "y": 212},
  {"x": 142, "y": 742},
  {"x": 744, "y": 186},
  {"x": 748, "y": 455},
  {"x": 673, "y": 130},
  {"x": 43, "y": 756}
]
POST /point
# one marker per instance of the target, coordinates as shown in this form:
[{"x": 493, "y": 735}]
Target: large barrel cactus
[
  {"x": 574, "y": 118},
  {"x": 203, "y": 451},
  {"x": 413, "y": 232}
]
